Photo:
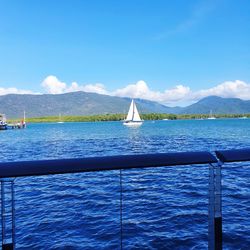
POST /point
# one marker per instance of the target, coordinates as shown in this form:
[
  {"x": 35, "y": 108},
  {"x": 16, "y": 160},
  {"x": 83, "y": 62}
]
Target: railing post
[
  {"x": 8, "y": 213},
  {"x": 215, "y": 215}
]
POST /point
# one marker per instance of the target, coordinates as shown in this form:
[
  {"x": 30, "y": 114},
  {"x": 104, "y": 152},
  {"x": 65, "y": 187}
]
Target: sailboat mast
[{"x": 133, "y": 110}]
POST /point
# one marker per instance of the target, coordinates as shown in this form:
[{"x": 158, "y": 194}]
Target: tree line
[{"x": 120, "y": 117}]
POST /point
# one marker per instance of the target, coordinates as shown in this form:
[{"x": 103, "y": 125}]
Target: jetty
[
  {"x": 4, "y": 125},
  {"x": 17, "y": 125}
]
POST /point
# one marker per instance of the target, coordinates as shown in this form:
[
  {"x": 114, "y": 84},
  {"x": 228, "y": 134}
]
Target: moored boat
[{"x": 3, "y": 123}]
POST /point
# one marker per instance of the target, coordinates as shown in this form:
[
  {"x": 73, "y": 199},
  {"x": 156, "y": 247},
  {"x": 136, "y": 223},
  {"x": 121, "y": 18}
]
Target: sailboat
[
  {"x": 60, "y": 119},
  {"x": 24, "y": 120},
  {"x": 133, "y": 117},
  {"x": 211, "y": 117}
]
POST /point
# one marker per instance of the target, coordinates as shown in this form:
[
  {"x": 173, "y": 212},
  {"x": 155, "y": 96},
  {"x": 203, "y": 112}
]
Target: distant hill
[
  {"x": 218, "y": 105},
  {"x": 75, "y": 103},
  {"x": 82, "y": 103}
]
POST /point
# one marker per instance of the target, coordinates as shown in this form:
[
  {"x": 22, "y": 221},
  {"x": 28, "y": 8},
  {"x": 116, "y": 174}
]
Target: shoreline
[{"x": 120, "y": 117}]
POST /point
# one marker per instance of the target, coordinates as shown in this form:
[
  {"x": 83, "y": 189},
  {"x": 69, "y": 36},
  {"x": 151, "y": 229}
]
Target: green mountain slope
[
  {"x": 218, "y": 105},
  {"x": 82, "y": 103},
  {"x": 75, "y": 103}
]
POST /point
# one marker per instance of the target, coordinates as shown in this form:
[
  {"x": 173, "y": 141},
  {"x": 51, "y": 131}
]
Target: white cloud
[
  {"x": 94, "y": 88},
  {"x": 141, "y": 90},
  {"x": 177, "y": 95},
  {"x": 183, "y": 94},
  {"x": 53, "y": 85},
  {"x": 6, "y": 91},
  {"x": 136, "y": 90},
  {"x": 228, "y": 89}
]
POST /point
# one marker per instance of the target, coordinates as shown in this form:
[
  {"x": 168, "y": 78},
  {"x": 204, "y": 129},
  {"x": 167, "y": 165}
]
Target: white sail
[
  {"x": 133, "y": 114},
  {"x": 136, "y": 117},
  {"x": 130, "y": 112}
]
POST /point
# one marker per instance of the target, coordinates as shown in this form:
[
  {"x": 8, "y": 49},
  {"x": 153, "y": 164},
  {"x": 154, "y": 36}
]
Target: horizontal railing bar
[
  {"x": 233, "y": 155},
  {"x": 91, "y": 164}
]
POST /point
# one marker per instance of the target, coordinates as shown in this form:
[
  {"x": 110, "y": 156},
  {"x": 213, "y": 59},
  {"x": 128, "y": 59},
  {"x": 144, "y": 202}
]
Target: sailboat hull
[
  {"x": 3, "y": 127},
  {"x": 132, "y": 124}
]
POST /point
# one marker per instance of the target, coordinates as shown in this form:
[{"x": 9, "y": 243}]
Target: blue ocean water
[{"x": 163, "y": 208}]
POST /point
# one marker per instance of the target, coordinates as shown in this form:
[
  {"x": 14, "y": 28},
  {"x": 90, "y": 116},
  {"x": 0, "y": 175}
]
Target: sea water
[{"x": 163, "y": 208}]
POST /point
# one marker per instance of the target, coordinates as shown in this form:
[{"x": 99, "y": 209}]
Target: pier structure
[
  {"x": 11, "y": 170},
  {"x": 16, "y": 125}
]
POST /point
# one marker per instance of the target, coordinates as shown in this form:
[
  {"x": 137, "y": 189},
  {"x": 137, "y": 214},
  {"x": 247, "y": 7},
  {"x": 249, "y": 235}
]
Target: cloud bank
[
  {"x": 171, "y": 96},
  {"x": 53, "y": 85},
  {"x": 12, "y": 90},
  {"x": 228, "y": 89},
  {"x": 140, "y": 89}
]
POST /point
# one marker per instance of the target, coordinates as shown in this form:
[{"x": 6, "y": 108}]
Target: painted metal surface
[{"x": 91, "y": 164}]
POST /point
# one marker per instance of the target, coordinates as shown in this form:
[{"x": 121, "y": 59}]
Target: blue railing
[{"x": 11, "y": 170}]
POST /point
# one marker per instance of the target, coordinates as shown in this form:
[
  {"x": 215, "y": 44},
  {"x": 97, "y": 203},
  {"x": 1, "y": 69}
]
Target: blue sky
[{"x": 155, "y": 49}]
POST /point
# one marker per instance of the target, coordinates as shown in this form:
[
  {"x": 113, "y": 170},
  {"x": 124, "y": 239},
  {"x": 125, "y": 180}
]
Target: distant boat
[
  {"x": 3, "y": 123},
  {"x": 23, "y": 122},
  {"x": 211, "y": 117},
  {"x": 133, "y": 117},
  {"x": 60, "y": 119}
]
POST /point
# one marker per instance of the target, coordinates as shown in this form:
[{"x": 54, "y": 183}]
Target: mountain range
[
  {"x": 83, "y": 103},
  {"x": 218, "y": 105}
]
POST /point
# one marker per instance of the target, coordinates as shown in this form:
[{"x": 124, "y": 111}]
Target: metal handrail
[
  {"x": 235, "y": 155},
  {"x": 92, "y": 164}
]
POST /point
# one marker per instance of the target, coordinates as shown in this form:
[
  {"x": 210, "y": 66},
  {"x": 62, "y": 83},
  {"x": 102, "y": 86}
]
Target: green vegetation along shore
[{"x": 120, "y": 117}]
